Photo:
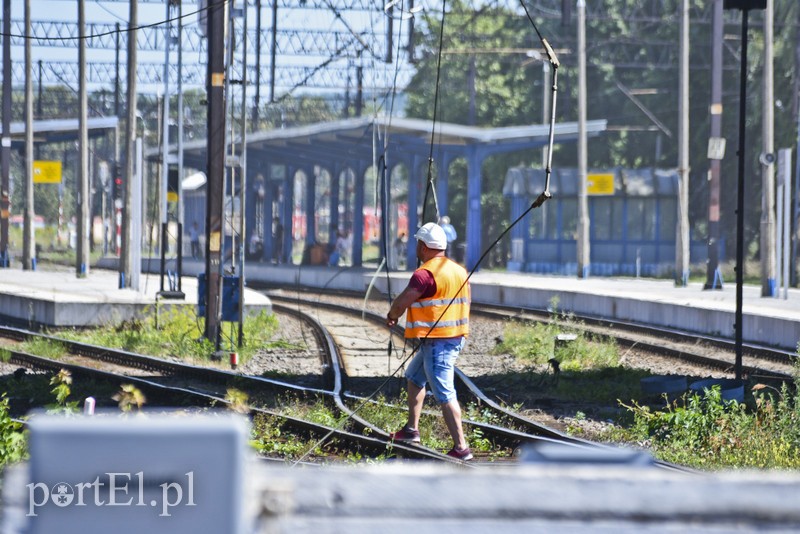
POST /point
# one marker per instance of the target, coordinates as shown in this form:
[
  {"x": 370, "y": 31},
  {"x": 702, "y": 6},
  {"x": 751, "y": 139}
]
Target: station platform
[{"x": 61, "y": 298}]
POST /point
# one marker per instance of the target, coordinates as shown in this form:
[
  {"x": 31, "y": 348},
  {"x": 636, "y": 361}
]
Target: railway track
[
  {"x": 208, "y": 390},
  {"x": 517, "y": 430},
  {"x": 711, "y": 352},
  {"x": 347, "y": 354}
]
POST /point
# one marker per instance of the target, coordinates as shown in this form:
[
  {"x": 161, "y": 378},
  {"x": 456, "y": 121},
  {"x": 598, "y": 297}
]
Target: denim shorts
[{"x": 434, "y": 364}]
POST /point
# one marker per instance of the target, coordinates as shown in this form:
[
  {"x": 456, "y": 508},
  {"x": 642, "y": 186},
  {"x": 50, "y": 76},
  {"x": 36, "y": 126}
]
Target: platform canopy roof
[
  {"x": 59, "y": 130},
  {"x": 349, "y": 139}
]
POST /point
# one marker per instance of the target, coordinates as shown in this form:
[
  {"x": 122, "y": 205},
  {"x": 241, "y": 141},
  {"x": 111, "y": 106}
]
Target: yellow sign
[
  {"x": 215, "y": 242},
  {"x": 46, "y": 172},
  {"x": 172, "y": 196},
  {"x": 600, "y": 184}
]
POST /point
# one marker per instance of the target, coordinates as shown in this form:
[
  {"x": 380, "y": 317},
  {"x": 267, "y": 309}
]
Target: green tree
[
  {"x": 633, "y": 43},
  {"x": 487, "y": 49}
]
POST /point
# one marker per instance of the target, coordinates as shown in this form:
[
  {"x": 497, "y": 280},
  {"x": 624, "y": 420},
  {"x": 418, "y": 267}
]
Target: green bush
[
  {"x": 13, "y": 447},
  {"x": 177, "y": 332},
  {"x": 707, "y": 432}
]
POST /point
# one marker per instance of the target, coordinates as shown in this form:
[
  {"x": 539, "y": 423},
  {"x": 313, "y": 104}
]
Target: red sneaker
[
  {"x": 460, "y": 454},
  {"x": 405, "y": 434}
]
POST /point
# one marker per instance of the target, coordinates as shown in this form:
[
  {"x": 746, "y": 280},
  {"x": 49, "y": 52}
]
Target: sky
[{"x": 150, "y": 12}]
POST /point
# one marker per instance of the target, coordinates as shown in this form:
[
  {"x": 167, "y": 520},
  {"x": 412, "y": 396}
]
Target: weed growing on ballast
[{"x": 705, "y": 431}]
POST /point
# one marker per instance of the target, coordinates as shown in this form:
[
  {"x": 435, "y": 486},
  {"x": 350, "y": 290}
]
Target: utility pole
[
  {"x": 82, "y": 256},
  {"x": 129, "y": 273},
  {"x": 215, "y": 190},
  {"x": 28, "y": 236},
  {"x": 5, "y": 141},
  {"x": 716, "y": 150},
  {"x": 682, "y": 234},
  {"x": 583, "y": 251},
  {"x": 163, "y": 201},
  {"x": 767, "y": 160}
]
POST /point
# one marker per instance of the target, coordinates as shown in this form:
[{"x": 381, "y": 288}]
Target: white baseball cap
[{"x": 432, "y": 235}]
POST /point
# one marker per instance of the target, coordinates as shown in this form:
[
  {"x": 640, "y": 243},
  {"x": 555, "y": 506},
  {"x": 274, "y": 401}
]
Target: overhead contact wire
[
  {"x": 544, "y": 196},
  {"x": 429, "y": 187}
]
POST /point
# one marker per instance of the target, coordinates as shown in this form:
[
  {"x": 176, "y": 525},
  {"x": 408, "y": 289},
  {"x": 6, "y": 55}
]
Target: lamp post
[{"x": 745, "y": 6}]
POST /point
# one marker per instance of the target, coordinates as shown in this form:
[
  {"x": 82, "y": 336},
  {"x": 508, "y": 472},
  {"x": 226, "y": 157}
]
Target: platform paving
[{"x": 60, "y": 298}]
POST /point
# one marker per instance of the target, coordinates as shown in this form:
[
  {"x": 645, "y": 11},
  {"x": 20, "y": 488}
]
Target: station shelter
[
  {"x": 312, "y": 183},
  {"x": 632, "y": 214}
]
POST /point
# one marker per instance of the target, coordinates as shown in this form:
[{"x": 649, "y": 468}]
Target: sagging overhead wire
[
  {"x": 541, "y": 199},
  {"x": 430, "y": 187}
]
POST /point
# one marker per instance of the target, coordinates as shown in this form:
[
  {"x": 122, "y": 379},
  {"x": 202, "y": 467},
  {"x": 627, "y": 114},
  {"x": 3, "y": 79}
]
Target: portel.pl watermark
[{"x": 114, "y": 489}]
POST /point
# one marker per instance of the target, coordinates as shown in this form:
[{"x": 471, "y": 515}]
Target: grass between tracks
[
  {"x": 701, "y": 431},
  {"x": 178, "y": 332}
]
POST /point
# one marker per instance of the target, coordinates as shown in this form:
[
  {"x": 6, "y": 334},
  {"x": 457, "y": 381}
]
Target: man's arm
[{"x": 401, "y": 303}]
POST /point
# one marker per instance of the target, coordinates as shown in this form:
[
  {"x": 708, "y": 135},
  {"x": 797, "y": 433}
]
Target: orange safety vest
[{"x": 453, "y": 318}]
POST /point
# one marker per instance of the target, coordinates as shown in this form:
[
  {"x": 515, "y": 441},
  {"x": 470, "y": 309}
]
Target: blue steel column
[
  {"x": 443, "y": 184},
  {"x": 474, "y": 160},
  {"x": 358, "y": 214},
  {"x": 287, "y": 215},
  {"x": 519, "y": 234},
  {"x": 333, "y": 229},
  {"x": 311, "y": 205},
  {"x": 346, "y": 201},
  {"x": 266, "y": 224},
  {"x": 251, "y": 198}
]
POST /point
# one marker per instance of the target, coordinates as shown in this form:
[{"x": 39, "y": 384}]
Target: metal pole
[
  {"x": 84, "y": 198},
  {"x": 779, "y": 216},
  {"x": 273, "y": 50},
  {"x": 243, "y": 173},
  {"x": 547, "y": 81},
  {"x": 796, "y": 188},
  {"x": 180, "y": 146},
  {"x": 5, "y": 141},
  {"x": 28, "y": 236},
  {"x": 128, "y": 270},
  {"x": 164, "y": 204},
  {"x": 713, "y": 278},
  {"x": 215, "y": 189},
  {"x": 257, "y": 99},
  {"x": 740, "y": 199},
  {"x": 39, "y": 93},
  {"x": 768, "y": 234},
  {"x": 682, "y": 241},
  {"x": 786, "y": 156},
  {"x": 116, "y": 66},
  {"x": 583, "y": 244}
]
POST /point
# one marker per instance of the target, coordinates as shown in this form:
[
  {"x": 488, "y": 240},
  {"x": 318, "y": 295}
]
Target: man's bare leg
[
  {"x": 416, "y": 396},
  {"x": 452, "y": 418}
]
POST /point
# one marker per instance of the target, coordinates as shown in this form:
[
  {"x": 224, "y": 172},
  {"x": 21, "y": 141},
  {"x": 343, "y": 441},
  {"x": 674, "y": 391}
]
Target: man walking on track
[{"x": 437, "y": 299}]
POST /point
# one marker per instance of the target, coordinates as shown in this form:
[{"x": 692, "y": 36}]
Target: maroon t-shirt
[{"x": 423, "y": 281}]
